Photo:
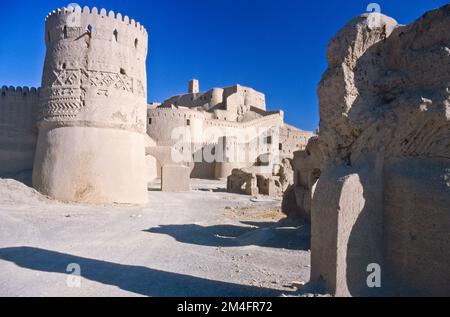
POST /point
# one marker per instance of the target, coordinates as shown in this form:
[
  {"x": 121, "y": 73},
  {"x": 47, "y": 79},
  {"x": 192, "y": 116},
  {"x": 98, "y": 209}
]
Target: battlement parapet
[
  {"x": 18, "y": 112},
  {"x": 74, "y": 22},
  {"x": 94, "y": 12},
  {"x": 22, "y": 92},
  {"x": 164, "y": 111}
]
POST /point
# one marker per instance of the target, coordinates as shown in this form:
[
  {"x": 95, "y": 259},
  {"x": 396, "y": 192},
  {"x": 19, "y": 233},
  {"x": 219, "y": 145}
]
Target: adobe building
[
  {"x": 233, "y": 121},
  {"x": 89, "y": 135}
]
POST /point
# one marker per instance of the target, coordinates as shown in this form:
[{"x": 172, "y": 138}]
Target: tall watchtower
[
  {"x": 194, "y": 86},
  {"x": 93, "y": 108}
]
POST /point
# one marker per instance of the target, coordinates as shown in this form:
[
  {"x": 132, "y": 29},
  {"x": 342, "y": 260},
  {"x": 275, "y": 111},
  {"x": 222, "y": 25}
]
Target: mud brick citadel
[
  {"x": 374, "y": 183},
  {"x": 89, "y": 134}
]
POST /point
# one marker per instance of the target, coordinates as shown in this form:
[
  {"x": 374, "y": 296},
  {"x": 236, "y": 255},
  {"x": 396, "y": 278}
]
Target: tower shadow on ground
[
  {"x": 264, "y": 234},
  {"x": 136, "y": 279}
]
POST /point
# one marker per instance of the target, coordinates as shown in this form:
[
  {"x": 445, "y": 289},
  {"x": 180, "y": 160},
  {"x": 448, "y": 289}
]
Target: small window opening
[
  {"x": 65, "y": 32},
  {"x": 149, "y": 120},
  {"x": 64, "y": 66},
  {"x": 116, "y": 35},
  {"x": 188, "y": 122},
  {"x": 280, "y": 147},
  {"x": 136, "y": 43},
  {"x": 122, "y": 71},
  {"x": 269, "y": 140},
  {"x": 48, "y": 37}
]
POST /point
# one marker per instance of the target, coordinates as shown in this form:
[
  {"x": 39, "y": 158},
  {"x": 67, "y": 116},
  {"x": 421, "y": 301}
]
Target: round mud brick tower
[{"x": 92, "y": 109}]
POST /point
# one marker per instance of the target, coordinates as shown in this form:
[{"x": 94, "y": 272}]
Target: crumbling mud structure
[
  {"x": 375, "y": 182},
  {"x": 258, "y": 180},
  {"x": 307, "y": 165}
]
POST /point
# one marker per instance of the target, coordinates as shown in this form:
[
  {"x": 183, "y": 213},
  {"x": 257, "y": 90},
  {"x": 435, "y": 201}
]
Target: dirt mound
[{"x": 14, "y": 192}]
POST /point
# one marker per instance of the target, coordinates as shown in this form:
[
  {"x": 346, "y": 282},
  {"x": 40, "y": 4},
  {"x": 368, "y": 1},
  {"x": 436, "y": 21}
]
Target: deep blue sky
[{"x": 275, "y": 46}]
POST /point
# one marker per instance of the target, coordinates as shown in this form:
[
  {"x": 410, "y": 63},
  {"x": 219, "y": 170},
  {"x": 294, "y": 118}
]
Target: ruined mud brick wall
[
  {"x": 383, "y": 195},
  {"x": 307, "y": 165}
]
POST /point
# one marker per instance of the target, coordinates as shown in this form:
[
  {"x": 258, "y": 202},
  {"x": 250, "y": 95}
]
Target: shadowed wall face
[
  {"x": 416, "y": 224},
  {"x": 91, "y": 130},
  {"x": 18, "y": 131},
  {"x": 347, "y": 227}
]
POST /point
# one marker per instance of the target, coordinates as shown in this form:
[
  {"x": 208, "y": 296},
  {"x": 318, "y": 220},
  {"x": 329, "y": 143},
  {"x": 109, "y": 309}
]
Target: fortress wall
[
  {"x": 168, "y": 126},
  {"x": 216, "y": 97},
  {"x": 205, "y": 134},
  {"x": 254, "y": 98},
  {"x": 232, "y": 100},
  {"x": 205, "y": 100},
  {"x": 229, "y": 104},
  {"x": 236, "y": 96},
  {"x": 292, "y": 140},
  {"x": 252, "y": 146},
  {"x": 162, "y": 122},
  {"x": 93, "y": 95},
  {"x": 250, "y": 116},
  {"x": 18, "y": 130}
]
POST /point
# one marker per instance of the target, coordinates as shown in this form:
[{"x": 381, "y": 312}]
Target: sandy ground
[{"x": 202, "y": 243}]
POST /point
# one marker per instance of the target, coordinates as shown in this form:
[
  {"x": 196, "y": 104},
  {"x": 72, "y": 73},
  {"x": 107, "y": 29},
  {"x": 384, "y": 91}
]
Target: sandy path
[{"x": 202, "y": 243}]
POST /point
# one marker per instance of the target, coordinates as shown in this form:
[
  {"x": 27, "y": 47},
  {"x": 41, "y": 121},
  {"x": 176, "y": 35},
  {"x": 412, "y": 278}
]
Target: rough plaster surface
[
  {"x": 417, "y": 240},
  {"x": 175, "y": 178},
  {"x": 384, "y": 102},
  {"x": 79, "y": 168},
  {"x": 259, "y": 180},
  {"x": 347, "y": 227}
]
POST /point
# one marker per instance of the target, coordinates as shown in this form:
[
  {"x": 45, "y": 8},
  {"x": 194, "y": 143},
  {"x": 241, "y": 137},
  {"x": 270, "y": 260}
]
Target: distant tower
[
  {"x": 194, "y": 86},
  {"x": 93, "y": 108}
]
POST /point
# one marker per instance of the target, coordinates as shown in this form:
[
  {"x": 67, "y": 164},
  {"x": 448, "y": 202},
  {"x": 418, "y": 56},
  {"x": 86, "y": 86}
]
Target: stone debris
[
  {"x": 14, "y": 192},
  {"x": 297, "y": 285},
  {"x": 253, "y": 181}
]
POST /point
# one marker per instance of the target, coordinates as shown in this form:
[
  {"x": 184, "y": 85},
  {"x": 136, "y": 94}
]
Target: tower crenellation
[
  {"x": 18, "y": 131},
  {"x": 19, "y": 93},
  {"x": 19, "y": 108},
  {"x": 74, "y": 22},
  {"x": 90, "y": 55}
]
